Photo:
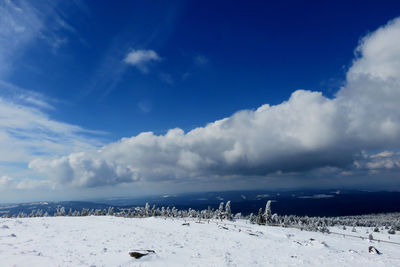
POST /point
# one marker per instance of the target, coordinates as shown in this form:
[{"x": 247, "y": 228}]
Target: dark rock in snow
[
  {"x": 137, "y": 254},
  {"x": 373, "y": 250}
]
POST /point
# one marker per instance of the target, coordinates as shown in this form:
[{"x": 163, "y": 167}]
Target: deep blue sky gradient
[{"x": 256, "y": 52}]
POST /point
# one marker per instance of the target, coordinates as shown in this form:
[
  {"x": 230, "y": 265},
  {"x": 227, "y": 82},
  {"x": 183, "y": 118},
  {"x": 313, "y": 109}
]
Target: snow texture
[{"x": 107, "y": 241}]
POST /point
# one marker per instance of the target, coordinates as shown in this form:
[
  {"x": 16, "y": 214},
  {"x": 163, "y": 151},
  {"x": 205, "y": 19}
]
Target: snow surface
[{"x": 106, "y": 241}]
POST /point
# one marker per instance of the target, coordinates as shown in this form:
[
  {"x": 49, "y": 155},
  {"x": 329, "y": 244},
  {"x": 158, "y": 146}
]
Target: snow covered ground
[{"x": 106, "y": 241}]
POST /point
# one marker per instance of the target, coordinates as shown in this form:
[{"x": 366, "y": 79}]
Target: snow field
[{"x": 106, "y": 241}]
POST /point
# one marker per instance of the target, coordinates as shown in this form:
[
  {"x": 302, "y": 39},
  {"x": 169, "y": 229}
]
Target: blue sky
[
  {"x": 80, "y": 81},
  {"x": 253, "y": 55}
]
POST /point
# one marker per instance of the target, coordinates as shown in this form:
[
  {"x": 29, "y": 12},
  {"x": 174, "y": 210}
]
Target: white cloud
[
  {"x": 383, "y": 161},
  {"x": 307, "y": 132},
  {"x": 29, "y": 184},
  {"x": 379, "y": 54},
  {"x": 90, "y": 171},
  {"x": 372, "y": 93},
  {"x": 141, "y": 58},
  {"x": 270, "y": 139},
  {"x": 5, "y": 181}
]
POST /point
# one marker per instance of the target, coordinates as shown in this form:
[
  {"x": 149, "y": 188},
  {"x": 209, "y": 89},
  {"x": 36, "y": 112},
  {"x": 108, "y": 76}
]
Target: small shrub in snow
[{"x": 371, "y": 237}]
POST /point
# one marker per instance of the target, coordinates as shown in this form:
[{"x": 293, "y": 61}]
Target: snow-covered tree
[
  {"x": 147, "y": 209},
  {"x": 220, "y": 212},
  {"x": 268, "y": 213},
  {"x": 60, "y": 211},
  {"x": 39, "y": 213},
  {"x": 98, "y": 212},
  {"x": 228, "y": 211},
  {"x": 110, "y": 211},
  {"x": 84, "y": 212},
  {"x": 260, "y": 217},
  {"x": 238, "y": 215}
]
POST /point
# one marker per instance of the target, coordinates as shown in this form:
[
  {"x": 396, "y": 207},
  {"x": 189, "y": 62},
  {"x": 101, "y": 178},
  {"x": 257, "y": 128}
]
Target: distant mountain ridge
[{"x": 307, "y": 202}]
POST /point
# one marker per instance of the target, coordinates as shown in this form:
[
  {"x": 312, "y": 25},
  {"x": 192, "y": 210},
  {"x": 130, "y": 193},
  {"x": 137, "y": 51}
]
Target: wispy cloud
[
  {"x": 22, "y": 22},
  {"x": 145, "y": 106},
  {"x": 28, "y": 132},
  {"x": 200, "y": 60},
  {"x": 19, "y": 24},
  {"x": 109, "y": 71},
  {"x": 141, "y": 59},
  {"x": 29, "y": 98},
  {"x": 167, "y": 78}
]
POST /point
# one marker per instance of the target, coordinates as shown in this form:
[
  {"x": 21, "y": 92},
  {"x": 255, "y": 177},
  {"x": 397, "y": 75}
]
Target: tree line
[{"x": 386, "y": 221}]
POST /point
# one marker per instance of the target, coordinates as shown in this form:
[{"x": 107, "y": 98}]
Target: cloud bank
[{"x": 307, "y": 132}]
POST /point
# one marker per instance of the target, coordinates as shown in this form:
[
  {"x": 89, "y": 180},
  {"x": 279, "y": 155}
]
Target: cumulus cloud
[
  {"x": 89, "y": 170},
  {"x": 383, "y": 161},
  {"x": 307, "y": 132},
  {"x": 141, "y": 59},
  {"x": 378, "y": 54}
]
